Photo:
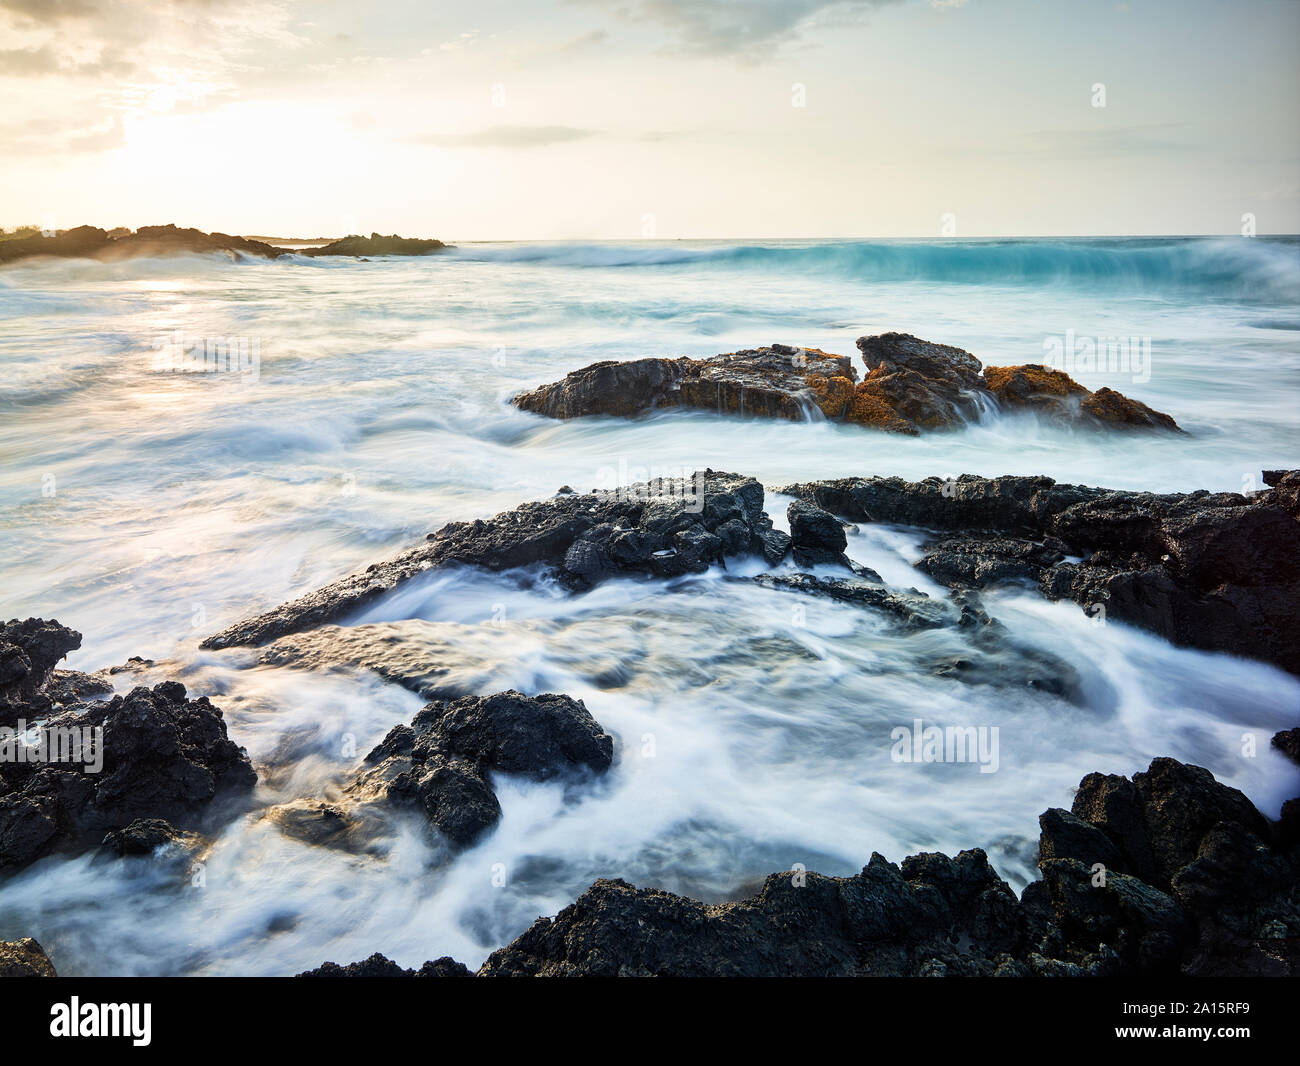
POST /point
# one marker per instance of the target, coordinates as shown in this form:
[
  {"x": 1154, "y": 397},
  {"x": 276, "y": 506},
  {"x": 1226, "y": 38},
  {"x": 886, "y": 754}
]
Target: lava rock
[
  {"x": 663, "y": 528},
  {"x": 381, "y": 966},
  {"x": 442, "y": 761},
  {"x": 24, "y": 958},
  {"x": 1217, "y": 571}
]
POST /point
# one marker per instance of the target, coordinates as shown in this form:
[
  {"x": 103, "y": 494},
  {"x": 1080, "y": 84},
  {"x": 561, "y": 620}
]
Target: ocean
[{"x": 349, "y": 408}]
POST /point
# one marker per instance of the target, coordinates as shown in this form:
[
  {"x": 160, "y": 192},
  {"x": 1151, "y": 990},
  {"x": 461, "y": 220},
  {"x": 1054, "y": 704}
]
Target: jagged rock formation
[
  {"x": 1169, "y": 872},
  {"x": 911, "y": 386},
  {"x": 24, "y": 958},
  {"x": 103, "y": 765},
  {"x": 1218, "y": 571},
  {"x": 664, "y": 529},
  {"x": 380, "y": 966},
  {"x": 441, "y": 763}
]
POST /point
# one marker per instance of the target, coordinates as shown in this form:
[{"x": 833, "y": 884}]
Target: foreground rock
[
  {"x": 97, "y": 767},
  {"x": 1167, "y": 873},
  {"x": 911, "y": 386},
  {"x": 663, "y": 529},
  {"x": 380, "y": 966},
  {"x": 24, "y": 958},
  {"x": 442, "y": 761},
  {"x": 1217, "y": 571},
  {"x": 92, "y": 242},
  {"x": 29, "y": 651}
]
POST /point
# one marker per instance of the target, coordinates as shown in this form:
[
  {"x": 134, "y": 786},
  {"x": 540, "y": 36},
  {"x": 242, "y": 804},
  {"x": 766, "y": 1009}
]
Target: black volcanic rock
[
  {"x": 29, "y": 652},
  {"x": 663, "y": 528},
  {"x": 114, "y": 767},
  {"x": 1217, "y": 571},
  {"x": 816, "y": 536},
  {"x": 1229, "y": 907},
  {"x": 1288, "y": 743},
  {"x": 442, "y": 761},
  {"x": 381, "y": 966}
]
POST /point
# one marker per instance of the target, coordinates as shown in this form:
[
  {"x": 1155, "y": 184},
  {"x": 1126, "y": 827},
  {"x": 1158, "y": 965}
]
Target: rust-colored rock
[
  {"x": 1031, "y": 385},
  {"x": 911, "y": 386},
  {"x": 1116, "y": 409}
]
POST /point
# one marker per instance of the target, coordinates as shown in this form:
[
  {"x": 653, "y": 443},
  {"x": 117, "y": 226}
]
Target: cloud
[
  {"x": 38, "y": 62},
  {"x": 37, "y": 138},
  {"x": 509, "y": 137},
  {"x": 750, "y": 29},
  {"x": 48, "y": 10}
]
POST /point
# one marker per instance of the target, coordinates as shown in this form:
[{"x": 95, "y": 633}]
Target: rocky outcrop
[
  {"x": 911, "y": 386},
  {"x": 95, "y": 243},
  {"x": 380, "y": 966},
  {"x": 78, "y": 770},
  {"x": 376, "y": 244},
  {"x": 1168, "y": 873},
  {"x": 773, "y": 382},
  {"x": 1288, "y": 743},
  {"x": 664, "y": 529},
  {"x": 441, "y": 763},
  {"x": 24, "y": 958},
  {"x": 1054, "y": 394},
  {"x": 1217, "y": 571},
  {"x": 90, "y": 242},
  {"x": 29, "y": 652}
]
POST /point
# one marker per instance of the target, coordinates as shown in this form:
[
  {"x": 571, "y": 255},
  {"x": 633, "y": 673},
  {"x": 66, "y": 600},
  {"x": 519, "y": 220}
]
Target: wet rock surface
[
  {"x": 665, "y": 528},
  {"x": 29, "y": 651},
  {"x": 1168, "y": 873},
  {"x": 1216, "y": 571},
  {"x": 381, "y": 966},
  {"x": 24, "y": 958},
  {"x": 778, "y": 381},
  {"x": 911, "y": 386},
  {"x": 442, "y": 762},
  {"x": 117, "y": 767}
]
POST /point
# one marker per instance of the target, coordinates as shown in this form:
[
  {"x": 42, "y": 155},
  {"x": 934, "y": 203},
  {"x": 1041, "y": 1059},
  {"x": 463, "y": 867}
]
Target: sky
[{"x": 665, "y": 119}]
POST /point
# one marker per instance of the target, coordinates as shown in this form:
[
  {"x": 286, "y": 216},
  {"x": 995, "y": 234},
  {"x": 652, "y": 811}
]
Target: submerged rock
[
  {"x": 1216, "y": 571},
  {"x": 24, "y": 958},
  {"x": 441, "y": 762},
  {"x": 911, "y": 386}
]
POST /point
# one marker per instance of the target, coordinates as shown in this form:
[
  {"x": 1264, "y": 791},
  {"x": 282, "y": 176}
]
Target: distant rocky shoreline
[{"x": 90, "y": 242}]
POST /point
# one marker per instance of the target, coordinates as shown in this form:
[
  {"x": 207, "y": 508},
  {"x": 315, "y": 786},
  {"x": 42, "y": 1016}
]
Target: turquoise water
[{"x": 149, "y": 509}]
